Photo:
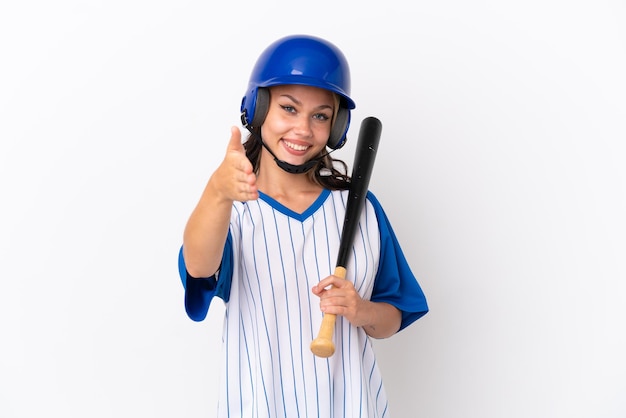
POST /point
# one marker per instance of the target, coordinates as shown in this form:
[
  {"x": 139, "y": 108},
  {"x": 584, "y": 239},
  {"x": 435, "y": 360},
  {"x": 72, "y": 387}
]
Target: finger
[
  {"x": 333, "y": 281},
  {"x": 322, "y": 286},
  {"x": 235, "y": 140}
]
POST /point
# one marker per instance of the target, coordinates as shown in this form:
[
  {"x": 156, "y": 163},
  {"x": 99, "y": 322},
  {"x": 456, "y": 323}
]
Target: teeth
[{"x": 296, "y": 147}]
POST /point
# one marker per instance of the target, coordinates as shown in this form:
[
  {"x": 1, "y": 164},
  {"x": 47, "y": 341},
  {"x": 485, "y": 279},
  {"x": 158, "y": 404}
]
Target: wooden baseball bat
[{"x": 365, "y": 154}]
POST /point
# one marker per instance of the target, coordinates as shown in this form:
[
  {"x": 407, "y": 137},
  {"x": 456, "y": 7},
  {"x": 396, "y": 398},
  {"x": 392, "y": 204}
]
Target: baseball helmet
[{"x": 304, "y": 60}]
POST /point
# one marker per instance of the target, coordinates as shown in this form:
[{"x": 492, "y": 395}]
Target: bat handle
[{"x": 323, "y": 345}]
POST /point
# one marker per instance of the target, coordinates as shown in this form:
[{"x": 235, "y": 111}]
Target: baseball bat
[{"x": 365, "y": 154}]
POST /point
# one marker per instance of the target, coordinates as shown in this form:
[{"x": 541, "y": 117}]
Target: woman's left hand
[{"x": 339, "y": 297}]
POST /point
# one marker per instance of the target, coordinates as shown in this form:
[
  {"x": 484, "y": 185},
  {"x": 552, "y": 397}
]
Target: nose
[{"x": 303, "y": 127}]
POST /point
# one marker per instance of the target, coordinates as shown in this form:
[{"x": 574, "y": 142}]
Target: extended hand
[{"x": 234, "y": 179}]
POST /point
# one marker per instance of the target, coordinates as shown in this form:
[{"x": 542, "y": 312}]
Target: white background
[{"x": 501, "y": 166}]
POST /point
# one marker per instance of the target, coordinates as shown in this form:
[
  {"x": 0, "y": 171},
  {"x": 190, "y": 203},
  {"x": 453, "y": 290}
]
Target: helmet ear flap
[
  {"x": 338, "y": 132},
  {"x": 261, "y": 107},
  {"x": 254, "y": 109}
]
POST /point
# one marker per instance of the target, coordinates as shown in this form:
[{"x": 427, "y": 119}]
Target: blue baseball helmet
[{"x": 305, "y": 60}]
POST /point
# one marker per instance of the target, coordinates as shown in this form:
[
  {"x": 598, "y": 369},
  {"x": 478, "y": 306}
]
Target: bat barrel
[{"x": 365, "y": 155}]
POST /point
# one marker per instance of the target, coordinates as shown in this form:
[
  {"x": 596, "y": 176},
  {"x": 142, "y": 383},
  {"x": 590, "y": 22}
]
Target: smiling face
[{"x": 298, "y": 122}]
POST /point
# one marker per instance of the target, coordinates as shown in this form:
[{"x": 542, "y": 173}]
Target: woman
[{"x": 265, "y": 234}]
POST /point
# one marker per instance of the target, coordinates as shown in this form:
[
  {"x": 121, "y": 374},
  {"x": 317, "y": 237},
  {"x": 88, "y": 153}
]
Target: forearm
[
  {"x": 383, "y": 319},
  {"x": 205, "y": 233}
]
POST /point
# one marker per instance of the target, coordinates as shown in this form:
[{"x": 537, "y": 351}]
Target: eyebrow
[{"x": 298, "y": 102}]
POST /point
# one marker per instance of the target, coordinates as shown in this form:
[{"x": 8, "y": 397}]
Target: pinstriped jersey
[{"x": 273, "y": 257}]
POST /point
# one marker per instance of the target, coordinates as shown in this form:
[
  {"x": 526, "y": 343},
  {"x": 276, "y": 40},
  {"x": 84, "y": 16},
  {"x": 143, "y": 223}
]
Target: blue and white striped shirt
[{"x": 272, "y": 258}]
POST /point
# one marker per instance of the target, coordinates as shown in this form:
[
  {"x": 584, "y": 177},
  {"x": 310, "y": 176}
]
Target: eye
[
  {"x": 321, "y": 116},
  {"x": 287, "y": 108}
]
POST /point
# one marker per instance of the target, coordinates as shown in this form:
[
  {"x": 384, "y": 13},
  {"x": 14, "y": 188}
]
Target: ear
[{"x": 338, "y": 132}]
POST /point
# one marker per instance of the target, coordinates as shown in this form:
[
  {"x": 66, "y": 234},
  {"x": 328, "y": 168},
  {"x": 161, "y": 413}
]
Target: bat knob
[{"x": 322, "y": 348}]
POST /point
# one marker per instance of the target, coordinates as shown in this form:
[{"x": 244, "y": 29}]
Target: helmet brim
[{"x": 309, "y": 81}]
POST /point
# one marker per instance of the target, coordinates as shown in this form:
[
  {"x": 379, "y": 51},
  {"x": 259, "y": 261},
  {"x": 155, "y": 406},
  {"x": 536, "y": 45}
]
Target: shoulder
[
  {"x": 373, "y": 200},
  {"x": 377, "y": 207}
]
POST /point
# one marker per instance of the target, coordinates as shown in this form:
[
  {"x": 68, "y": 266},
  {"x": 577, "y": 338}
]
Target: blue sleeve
[
  {"x": 199, "y": 292},
  {"x": 395, "y": 283}
]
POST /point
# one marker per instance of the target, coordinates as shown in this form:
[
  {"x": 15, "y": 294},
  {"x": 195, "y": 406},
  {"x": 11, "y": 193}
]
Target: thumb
[{"x": 235, "y": 140}]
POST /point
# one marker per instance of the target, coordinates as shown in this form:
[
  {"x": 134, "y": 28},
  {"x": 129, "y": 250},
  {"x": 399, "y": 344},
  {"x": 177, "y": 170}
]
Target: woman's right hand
[
  {"x": 207, "y": 227},
  {"x": 234, "y": 179}
]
